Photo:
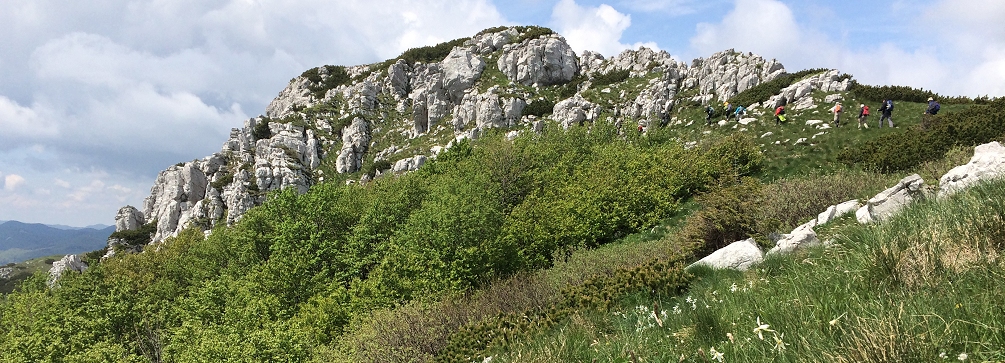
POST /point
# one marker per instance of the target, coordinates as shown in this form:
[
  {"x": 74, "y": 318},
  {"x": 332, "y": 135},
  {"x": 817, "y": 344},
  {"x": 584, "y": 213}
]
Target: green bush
[
  {"x": 902, "y": 93},
  {"x": 137, "y": 237},
  {"x": 320, "y": 84},
  {"x": 905, "y": 150},
  {"x": 223, "y": 181},
  {"x": 539, "y": 107},
  {"x": 612, "y": 77},
  {"x": 764, "y": 91},
  {"x": 430, "y": 54},
  {"x": 261, "y": 130},
  {"x": 531, "y": 33}
]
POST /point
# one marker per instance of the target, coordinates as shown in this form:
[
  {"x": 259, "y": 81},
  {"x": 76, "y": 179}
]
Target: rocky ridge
[{"x": 342, "y": 120}]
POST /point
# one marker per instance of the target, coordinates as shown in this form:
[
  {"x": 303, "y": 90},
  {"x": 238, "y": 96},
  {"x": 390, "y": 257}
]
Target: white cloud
[
  {"x": 671, "y": 7},
  {"x": 12, "y": 181},
  {"x": 19, "y": 122},
  {"x": 596, "y": 29},
  {"x": 962, "y": 48}
]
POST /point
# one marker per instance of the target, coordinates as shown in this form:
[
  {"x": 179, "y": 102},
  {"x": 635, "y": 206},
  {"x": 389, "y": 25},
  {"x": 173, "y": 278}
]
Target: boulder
[
  {"x": 65, "y": 264},
  {"x": 544, "y": 61},
  {"x": 461, "y": 69},
  {"x": 128, "y": 218},
  {"x": 738, "y": 255},
  {"x": 575, "y": 111},
  {"x": 837, "y": 211},
  {"x": 988, "y": 162},
  {"x": 891, "y": 201},
  {"x": 801, "y": 237},
  {"x": 409, "y": 164}
]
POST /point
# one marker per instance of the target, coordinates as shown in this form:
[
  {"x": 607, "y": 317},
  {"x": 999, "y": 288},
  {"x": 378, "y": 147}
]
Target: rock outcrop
[
  {"x": 543, "y": 61},
  {"x": 988, "y": 162},
  {"x": 738, "y": 255},
  {"x": 799, "y": 94},
  {"x": 330, "y": 119},
  {"x": 892, "y": 200},
  {"x": 69, "y": 263},
  {"x": 128, "y": 218}
]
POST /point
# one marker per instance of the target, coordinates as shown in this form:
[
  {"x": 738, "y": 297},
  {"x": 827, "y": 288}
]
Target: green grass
[
  {"x": 925, "y": 283},
  {"x": 22, "y": 270}
]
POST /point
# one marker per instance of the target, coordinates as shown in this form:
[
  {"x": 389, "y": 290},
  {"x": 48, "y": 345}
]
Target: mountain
[
  {"x": 24, "y": 241},
  {"x": 350, "y": 124}
]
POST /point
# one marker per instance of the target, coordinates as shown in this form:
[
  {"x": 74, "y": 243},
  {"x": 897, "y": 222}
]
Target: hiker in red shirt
[
  {"x": 779, "y": 115},
  {"x": 863, "y": 114}
]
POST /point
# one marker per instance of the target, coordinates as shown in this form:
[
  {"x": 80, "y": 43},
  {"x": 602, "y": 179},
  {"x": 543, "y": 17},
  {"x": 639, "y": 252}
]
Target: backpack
[
  {"x": 889, "y": 105},
  {"x": 936, "y": 108},
  {"x": 865, "y": 111}
]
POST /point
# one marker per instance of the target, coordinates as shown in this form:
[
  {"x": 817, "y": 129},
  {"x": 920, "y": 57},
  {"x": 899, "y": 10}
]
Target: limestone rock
[
  {"x": 988, "y": 162},
  {"x": 796, "y": 93},
  {"x": 280, "y": 160},
  {"x": 296, "y": 93},
  {"x": 726, "y": 74},
  {"x": 575, "y": 111},
  {"x": 544, "y": 61},
  {"x": 837, "y": 211},
  {"x": 891, "y": 201},
  {"x": 799, "y": 238},
  {"x": 461, "y": 69},
  {"x": 65, "y": 264},
  {"x": 491, "y": 42},
  {"x": 172, "y": 197},
  {"x": 738, "y": 255},
  {"x": 355, "y": 142},
  {"x": 409, "y": 164},
  {"x": 128, "y": 218}
]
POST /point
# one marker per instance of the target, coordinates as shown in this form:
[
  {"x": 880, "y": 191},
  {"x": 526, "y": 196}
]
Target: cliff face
[{"x": 396, "y": 114}]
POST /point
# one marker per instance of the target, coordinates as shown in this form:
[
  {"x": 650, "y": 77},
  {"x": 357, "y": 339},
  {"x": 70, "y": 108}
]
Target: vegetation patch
[{"x": 764, "y": 91}]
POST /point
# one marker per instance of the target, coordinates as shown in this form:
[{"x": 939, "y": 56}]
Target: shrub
[
  {"x": 611, "y": 77},
  {"x": 901, "y": 93},
  {"x": 727, "y": 214},
  {"x": 136, "y": 237},
  {"x": 223, "y": 181},
  {"x": 539, "y": 107},
  {"x": 764, "y": 91},
  {"x": 371, "y": 169},
  {"x": 325, "y": 78},
  {"x": 430, "y": 54},
  {"x": 261, "y": 130},
  {"x": 975, "y": 125},
  {"x": 531, "y": 33}
]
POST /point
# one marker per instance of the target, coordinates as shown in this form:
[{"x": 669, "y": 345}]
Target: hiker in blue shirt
[
  {"x": 740, "y": 112},
  {"x": 933, "y": 107},
  {"x": 887, "y": 112}
]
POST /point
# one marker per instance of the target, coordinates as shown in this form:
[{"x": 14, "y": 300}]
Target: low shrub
[
  {"x": 975, "y": 125},
  {"x": 261, "y": 130},
  {"x": 609, "y": 78},
  {"x": 136, "y": 237},
  {"x": 325, "y": 78},
  {"x": 901, "y": 93},
  {"x": 539, "y": 107}
]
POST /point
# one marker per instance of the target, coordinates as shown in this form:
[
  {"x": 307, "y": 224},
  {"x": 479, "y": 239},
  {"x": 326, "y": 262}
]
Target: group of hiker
[{"x": 885, "y": 109}]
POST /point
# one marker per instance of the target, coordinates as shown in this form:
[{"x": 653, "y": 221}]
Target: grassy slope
[
  {"x": 907, "y": 290},
  {"x": 23, "y": 270}
]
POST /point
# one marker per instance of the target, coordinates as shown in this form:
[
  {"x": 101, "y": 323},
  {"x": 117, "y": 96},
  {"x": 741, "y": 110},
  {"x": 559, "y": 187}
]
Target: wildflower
[
  {"x": 943, "y": 355},
  {"x": 761, "y": 328},
  {"x": 779, "y": 344},
  {"x": 732, "y": 288},
  {"x": 716, "y": 355},
  {"x": 676, "y": 309},
  {"x": 835, "y": 321},
  {"x": 962, "y": 357},
  {"x": 730, "y": 336},
  {"x": 690, "y": 299}
]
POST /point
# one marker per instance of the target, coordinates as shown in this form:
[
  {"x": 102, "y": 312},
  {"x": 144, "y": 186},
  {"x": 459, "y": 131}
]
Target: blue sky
[{"x": 96, "y": 97}]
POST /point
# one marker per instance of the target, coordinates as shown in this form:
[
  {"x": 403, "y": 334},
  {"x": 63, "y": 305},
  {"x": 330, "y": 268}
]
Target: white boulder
[
  {"x": 891, "y": 201},
  {"x": 988, "y": 162},
  {"x": 738, "y": 255},
  {"x": 67, "y": 263}
]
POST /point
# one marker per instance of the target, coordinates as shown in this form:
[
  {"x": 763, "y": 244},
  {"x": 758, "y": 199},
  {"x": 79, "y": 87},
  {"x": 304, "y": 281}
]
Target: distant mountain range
[{"x": 23, "y": 241}]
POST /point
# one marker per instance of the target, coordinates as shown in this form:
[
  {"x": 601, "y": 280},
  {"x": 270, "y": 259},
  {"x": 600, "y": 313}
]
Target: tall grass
[{"x": 923, "y": 287}]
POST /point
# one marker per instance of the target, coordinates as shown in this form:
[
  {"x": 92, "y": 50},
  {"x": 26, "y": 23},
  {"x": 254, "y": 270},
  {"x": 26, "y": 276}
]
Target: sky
[{"x": 97, "y": 97}]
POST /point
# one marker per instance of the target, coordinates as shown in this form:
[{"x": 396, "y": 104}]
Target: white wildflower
[
  {"x": 779, "y": 344},
  {"x": 761, "y": 328},
  {"x": 716, "y": 355},
  {"x": 962, "y": 357},
  {"x": 732, "y": 288}
]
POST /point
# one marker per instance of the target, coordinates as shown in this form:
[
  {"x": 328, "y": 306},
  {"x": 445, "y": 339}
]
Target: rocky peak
[
  {"x": 128, "y": 218},
  {"x": 334, "y": 120}
]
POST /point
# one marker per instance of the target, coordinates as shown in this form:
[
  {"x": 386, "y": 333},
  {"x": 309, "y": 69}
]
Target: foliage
[
  {"x": 902, "y": 93},
  {"x": 261, "y": 130},
  {"x": 931, "y": 140},
  {"x": 539, "y": 107},
  {"x": 608, "y": 78},
  {"x": 136, "y": 237},
  {"x": 223, "y": 181},
  {"x": 764, "y": 91},
  {"x": 430, "y": 54},
  {"x": 531, "y": 33},
  {"x": 325, "y": 78}
]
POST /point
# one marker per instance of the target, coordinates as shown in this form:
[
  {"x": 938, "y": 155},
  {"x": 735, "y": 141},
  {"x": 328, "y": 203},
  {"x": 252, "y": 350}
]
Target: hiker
[
  {"x": 886, "y": 109},
  {"x": 779, "y": 115},
  {"x": 933, "y": 107},
  {"x": 709, "y": 111},
  {"x": 740, "y": 112},
  {"x": 836, "y": 110},
  {"x": 863, "y": 114},
  {"x": 727, "y": 108}
]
